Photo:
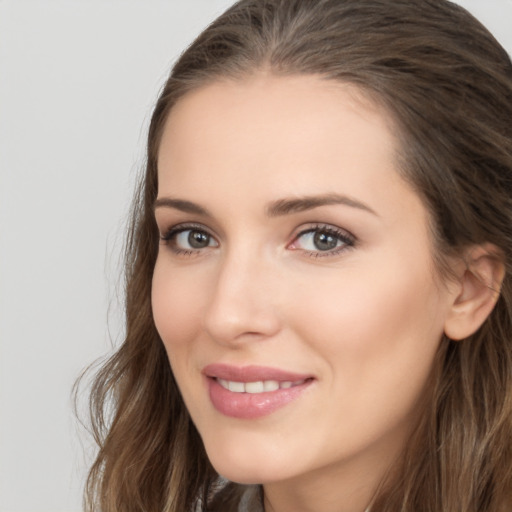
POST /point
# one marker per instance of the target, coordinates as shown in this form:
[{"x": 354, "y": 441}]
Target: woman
[{"x": 318, "y": 271}]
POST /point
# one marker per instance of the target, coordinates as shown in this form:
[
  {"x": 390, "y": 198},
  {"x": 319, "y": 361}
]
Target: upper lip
[{"x": 251, "y": 373}]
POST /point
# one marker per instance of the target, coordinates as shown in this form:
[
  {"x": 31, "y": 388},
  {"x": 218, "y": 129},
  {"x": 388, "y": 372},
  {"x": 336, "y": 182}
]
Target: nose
[{"x": 243, "y": 304}]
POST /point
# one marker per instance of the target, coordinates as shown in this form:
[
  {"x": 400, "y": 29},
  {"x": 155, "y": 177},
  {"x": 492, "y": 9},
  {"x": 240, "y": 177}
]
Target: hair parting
[{"x": 447, "y": 85}]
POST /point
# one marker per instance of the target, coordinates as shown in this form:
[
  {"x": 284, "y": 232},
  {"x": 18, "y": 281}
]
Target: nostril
[{"x": 241, "y": 321}]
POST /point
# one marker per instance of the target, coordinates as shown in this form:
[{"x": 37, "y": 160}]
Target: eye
[
  {"x": 322, "y": 241},
  {"x": 188, "y": 239}
]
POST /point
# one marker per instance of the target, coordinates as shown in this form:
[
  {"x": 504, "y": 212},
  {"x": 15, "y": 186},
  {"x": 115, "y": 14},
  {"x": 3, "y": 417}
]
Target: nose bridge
[{"x": 241, "y": 302}]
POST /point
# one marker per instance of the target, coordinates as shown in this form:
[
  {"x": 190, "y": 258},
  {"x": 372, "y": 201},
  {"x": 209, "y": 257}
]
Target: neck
[{"x": 347, "y": 487}]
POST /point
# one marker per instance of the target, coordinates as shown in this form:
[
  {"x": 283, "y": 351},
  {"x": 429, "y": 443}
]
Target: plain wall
[{"x": 78, "y": 79}]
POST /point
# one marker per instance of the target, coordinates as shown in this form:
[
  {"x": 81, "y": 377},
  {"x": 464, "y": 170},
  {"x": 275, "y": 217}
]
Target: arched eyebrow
[
  {"x": 275, "y": 208},
  {"x": 181, "y": 205},
  {"x": 301, "y": 204}
]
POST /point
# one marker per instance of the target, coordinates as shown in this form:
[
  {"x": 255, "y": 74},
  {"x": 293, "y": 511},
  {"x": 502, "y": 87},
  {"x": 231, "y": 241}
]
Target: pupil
[
  {"x": 198, "y": 239},
  {"x": 324, "y": 241}
]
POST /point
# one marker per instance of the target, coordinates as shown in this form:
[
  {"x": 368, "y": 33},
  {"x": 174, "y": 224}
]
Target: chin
[{"x": 247, "y": 468}]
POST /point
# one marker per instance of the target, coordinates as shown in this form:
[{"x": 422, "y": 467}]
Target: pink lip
[
  {"x": 251, "y": 373},
  {"x": 252, "y": 405}
]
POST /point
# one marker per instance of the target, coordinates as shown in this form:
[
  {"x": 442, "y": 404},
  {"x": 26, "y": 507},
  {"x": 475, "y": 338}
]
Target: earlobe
[{"x": 480, "y": 283}]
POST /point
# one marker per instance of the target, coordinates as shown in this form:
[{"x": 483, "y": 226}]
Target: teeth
[
  {"x": 254, "y": 387},
  {"x": 270, "y": 385},
  {"x": 259, "y": 386},
  {"x": 236, "y": 387},
  {"x": 223, "y": 383}
]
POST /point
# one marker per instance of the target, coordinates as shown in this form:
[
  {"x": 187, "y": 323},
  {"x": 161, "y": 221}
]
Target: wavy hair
[{"x": 447, "y": 84}]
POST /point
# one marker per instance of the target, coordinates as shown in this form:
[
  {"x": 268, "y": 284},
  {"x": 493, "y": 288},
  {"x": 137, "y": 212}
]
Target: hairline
[{"x": 367, "y": 97}]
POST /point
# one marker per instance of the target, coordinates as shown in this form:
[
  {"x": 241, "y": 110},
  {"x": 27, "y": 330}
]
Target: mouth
[
  {"x": 252, "y": 392},
  {"x": 259, "y": 386}
]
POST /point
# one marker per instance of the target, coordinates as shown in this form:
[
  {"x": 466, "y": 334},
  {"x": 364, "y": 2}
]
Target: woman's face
[{"x": 294, "y": 289}]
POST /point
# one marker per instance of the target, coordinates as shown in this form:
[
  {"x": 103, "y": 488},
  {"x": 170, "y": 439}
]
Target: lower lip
[{"x": 250, "y": 406}]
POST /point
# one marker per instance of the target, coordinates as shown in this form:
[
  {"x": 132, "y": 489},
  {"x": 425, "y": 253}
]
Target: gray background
[{"x": 78, "y": 79}]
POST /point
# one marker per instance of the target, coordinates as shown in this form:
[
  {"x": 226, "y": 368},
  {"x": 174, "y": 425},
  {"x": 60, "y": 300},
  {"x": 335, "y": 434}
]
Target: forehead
[
  {"x": 275, "y": 124},
  {"x": 294, "y": 95},
  {"x": 235, "y": 147}
]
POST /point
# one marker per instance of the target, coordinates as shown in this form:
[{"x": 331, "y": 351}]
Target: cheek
[
  {"x": 176, "y": 302},
  {"x": 376, "y": 341},
  {"x": 376, "y": 331}
]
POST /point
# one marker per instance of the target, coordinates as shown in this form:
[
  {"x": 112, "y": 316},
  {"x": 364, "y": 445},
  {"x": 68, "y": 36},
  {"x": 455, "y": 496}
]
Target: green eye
[
  {"x": 322, "y": 240},
  {"x": 317, "y": 240},
  {"x": 325, "y": 241},
  {"x": 183, "y": 239},
  {"x": 194, "y": 238}
]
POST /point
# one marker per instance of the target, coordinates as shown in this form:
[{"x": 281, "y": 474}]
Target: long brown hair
[{"x": 447, "y": 84}]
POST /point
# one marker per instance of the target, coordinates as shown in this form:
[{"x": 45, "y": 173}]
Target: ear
[{"x": 480, "y": 279}]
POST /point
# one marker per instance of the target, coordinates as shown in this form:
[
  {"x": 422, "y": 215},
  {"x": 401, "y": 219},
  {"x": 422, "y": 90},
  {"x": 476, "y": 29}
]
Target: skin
[{"x": 365, "y": 318}]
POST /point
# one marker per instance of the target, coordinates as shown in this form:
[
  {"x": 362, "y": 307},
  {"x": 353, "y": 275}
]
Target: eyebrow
[
  {"x": 276, "y": 208},
  {"x": 301, "y": 204},
  {"x": 182, "y": 205}
]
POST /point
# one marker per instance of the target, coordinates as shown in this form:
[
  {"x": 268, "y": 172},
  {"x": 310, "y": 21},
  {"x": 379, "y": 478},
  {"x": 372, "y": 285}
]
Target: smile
[
  {"x": 252, "y": 392},
  {"x": 260, "y": 386}
]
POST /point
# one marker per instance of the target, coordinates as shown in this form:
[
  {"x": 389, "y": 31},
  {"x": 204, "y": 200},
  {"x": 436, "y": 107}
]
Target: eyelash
[
  {"x": 169, "y": 238},
  {"x": 347, "y": 239}
]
